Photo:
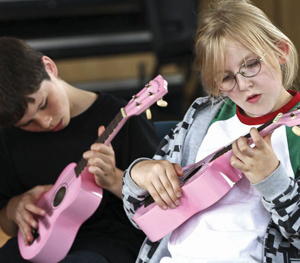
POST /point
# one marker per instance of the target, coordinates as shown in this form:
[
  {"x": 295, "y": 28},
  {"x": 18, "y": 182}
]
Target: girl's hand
[
  {"x": 22, "y": 210},
  {"x": 160, "y": 179},
  {"x": 102, "y": 163},
  {"x": 256, "y": 163}
]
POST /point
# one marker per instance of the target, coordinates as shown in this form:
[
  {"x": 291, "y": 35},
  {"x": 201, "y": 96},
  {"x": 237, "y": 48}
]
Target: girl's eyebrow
[{"x": 243, "y": 60}]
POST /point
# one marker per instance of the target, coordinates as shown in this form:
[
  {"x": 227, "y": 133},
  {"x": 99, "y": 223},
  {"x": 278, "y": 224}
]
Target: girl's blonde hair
[{"x": 244, "y": 23}]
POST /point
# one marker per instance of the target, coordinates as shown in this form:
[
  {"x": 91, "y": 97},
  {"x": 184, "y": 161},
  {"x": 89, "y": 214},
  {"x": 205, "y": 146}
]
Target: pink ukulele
[
  {"x": 66, "y": 202},
  {"x": 205, "y": 182}
]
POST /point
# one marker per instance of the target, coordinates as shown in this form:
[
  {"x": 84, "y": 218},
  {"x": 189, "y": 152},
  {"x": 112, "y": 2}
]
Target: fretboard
[{"x": 105, "y": 138}]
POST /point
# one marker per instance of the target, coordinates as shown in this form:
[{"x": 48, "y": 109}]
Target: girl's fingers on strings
[
  {"x": 257, "y": 139},
  {"x": 237, "y": 158}
]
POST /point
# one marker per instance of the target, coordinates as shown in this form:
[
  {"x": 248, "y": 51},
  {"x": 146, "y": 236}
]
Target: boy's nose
[{"x": 44, "y": 120}]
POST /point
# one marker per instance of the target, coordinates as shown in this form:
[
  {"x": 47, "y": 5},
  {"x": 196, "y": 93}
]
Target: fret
[{"x": 82, "y": 164}]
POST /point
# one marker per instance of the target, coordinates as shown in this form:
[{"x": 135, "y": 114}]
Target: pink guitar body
[
  {"x": 57, "y": 230},
  {"x": 75, "y": 196},
  {"x": 213, "y": 177},
  {"x": 205, "y": 188}
]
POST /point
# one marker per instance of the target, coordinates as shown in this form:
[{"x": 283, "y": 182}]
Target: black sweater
[{"x": 28, "y": 159}]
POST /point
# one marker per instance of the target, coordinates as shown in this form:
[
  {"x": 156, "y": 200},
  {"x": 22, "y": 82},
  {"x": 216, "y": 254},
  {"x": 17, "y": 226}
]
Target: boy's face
[
  {"x": 258, "y": 95},
  {"x": 49, "y": 112}
]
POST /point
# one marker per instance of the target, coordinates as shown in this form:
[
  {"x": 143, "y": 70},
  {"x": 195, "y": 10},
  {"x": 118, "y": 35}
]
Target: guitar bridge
[{"x": 35, "y": 233}]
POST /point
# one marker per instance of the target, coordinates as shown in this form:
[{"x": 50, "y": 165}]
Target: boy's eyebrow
[{"x": 25, "y": 124}]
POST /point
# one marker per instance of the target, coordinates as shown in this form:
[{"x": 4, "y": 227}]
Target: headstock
[
  {"x": 152, "y": 92},
  {"x": 291, "y": 119}
]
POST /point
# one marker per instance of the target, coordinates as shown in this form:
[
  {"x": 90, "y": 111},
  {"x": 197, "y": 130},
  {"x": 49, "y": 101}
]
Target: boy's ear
[
  {"x": 285, "y": 48},
  {"x": 50, "y": 66}
]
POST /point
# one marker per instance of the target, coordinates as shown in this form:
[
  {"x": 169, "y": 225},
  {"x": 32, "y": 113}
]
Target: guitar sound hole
[{"x": 59, "y": 196}]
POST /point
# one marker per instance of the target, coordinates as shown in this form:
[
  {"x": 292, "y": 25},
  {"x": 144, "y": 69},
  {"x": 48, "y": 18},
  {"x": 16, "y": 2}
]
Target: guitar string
[
  {"x": 82, "y": 164},
  {"x": 190, "y": 171},
  {"x": 193, "y": 169},
  {"x": 47, "y": 204}
]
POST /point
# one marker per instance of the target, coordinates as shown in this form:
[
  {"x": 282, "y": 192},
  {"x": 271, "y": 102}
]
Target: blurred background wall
[
  {"x": 284, "y": 13},
  {"x": 117, "y": 46}
]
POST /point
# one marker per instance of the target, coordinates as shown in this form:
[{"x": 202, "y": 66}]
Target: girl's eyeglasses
[{"x": 248, "y": 69}]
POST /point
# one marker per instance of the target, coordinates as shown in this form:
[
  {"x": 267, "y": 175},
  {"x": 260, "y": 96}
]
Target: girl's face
[
  {"x": 258, "y": 95},
  {"x": 50, "y": 111}
]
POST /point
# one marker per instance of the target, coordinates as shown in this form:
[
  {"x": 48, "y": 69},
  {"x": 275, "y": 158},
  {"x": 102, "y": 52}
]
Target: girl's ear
[
  {"x": 285, "y": 48},
  {"x": 50, "y": 66}
]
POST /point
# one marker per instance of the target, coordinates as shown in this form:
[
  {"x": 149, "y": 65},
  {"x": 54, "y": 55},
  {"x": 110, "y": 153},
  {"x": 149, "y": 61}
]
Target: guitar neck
[
  {"x": 191, "y": 170},
  {"x": 260, "y": 129},
  {"x": 106, "y": 137}
]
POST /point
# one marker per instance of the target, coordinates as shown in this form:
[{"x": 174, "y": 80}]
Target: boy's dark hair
[{"x": 21, "y": 73}]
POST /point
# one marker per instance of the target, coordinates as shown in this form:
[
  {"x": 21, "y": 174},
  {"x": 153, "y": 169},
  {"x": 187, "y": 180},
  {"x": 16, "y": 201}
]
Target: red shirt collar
[{"x": 263, "y": 119}]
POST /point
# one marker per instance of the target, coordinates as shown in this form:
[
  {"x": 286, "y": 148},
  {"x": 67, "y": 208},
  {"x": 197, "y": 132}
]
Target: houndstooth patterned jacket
[{"x": 280, "y": 193}]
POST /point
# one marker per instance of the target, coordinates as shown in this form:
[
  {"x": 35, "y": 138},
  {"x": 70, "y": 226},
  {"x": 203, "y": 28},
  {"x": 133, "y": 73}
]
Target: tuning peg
[
  {"x": 293, "y": 116},
  {"x": 148, "y": 114},
  {"x": 162, "y": 103},
  {"x": 296, "y": 130}
]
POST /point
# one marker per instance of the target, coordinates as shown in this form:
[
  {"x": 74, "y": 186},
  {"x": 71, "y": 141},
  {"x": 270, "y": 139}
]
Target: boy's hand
[
  {"x": 256, "y": 163},
  {"x": 160, "y": 179},
  {"x": 102, "y": 163},
  {"x": 22, "y": 209}
]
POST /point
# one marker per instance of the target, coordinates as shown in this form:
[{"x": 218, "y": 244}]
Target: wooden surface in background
[
  {"x": 3, "y": 238},
  {"x": 106, "y": 68},
  {"x": 285, "y": 15}
]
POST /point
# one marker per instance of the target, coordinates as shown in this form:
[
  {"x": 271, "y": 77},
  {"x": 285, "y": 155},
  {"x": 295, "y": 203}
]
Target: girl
[{"x": 248, "y": 67}]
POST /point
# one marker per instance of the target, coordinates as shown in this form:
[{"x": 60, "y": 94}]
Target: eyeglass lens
[{"x": 248, "y": 69}]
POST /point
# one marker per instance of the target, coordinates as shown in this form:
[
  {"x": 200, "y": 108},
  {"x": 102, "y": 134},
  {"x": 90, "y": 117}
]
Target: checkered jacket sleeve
[{"x": 281, "y": 196}]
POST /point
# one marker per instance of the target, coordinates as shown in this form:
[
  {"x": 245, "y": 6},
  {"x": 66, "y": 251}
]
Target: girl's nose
[{"x": 242, "y": 82}]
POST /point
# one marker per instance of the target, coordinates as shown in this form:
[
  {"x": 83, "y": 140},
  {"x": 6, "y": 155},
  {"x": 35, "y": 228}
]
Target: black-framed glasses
[{"x": 248, "y": 69}]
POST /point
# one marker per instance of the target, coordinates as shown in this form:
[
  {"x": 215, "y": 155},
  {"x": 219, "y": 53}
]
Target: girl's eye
[
  {"x": 227, "y": 78},
  {"x": 251, "y": 63}
]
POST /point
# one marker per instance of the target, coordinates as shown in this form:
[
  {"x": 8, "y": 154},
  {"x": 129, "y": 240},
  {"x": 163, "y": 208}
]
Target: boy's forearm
[
  {"x": 8, "y": 226},
  {"x": 116, "y": 188}
]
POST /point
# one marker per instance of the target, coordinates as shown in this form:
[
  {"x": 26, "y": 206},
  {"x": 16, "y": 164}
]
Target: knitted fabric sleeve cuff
[{"x": 274, "y": 185}]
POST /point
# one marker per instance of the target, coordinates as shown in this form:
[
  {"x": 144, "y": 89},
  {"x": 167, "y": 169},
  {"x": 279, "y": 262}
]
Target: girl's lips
[
  {"x": 58, "y": 126},
  {"x": 254, "y": 98}
]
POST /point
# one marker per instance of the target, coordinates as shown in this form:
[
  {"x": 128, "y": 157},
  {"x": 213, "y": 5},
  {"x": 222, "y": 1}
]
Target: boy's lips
[
  {"x": 58, "y": 126},
  {"x": 253, "y": 98}
]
